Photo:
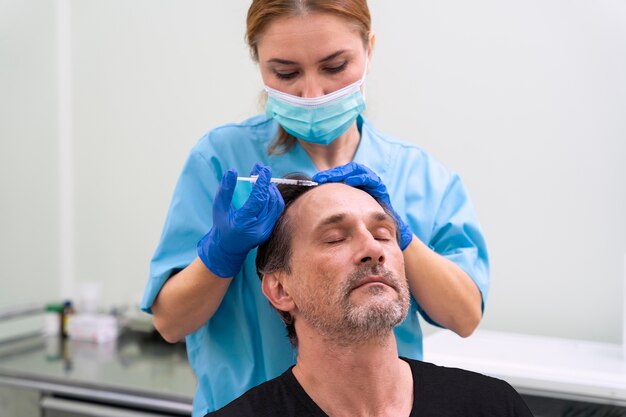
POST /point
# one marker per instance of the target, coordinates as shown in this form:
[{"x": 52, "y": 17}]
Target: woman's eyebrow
[
  {"x": 332, "y": 56},
  {"x": 281, "y": 61},
  {"x": 288, "y": 62}
]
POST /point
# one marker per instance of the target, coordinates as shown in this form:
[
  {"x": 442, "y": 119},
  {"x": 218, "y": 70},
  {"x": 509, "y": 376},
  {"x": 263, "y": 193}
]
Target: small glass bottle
[
  {"x": 68, "y": 310},
  {"x": 53, "y": 323}
]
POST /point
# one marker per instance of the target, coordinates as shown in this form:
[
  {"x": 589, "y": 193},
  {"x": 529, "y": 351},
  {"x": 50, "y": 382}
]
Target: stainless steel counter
[{"x": 138, "y": 371}]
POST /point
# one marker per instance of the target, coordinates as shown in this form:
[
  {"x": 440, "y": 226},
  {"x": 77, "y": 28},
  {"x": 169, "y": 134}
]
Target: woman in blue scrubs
[{"x": 313, "y": 57}]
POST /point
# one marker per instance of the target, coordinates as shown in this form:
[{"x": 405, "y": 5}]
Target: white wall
[
  {"x": 29, "y": 202},
  {"x": 150, "y": 77},
  {"x": 525, "y": 99}
]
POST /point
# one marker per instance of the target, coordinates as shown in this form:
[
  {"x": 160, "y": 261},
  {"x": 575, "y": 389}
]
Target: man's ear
[{"x": 274, "y": 289}]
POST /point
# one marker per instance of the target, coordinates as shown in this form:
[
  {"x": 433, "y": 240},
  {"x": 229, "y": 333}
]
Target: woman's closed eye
[
  {"x": 335, "y": 69},
  {"x": 286, "y": 75},
  {"x": 291, "y": 74}
]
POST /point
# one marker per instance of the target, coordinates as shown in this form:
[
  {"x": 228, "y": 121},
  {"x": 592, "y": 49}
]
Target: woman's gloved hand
[
  {"x": 360, "y": 176},
  {"x": 236, "y": 232}
]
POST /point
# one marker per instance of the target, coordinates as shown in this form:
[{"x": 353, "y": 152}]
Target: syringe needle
[{"x": 305, "y": 183}]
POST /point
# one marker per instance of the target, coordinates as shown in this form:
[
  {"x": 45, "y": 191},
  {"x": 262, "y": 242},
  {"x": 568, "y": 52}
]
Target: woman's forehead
[{"x": 314, "y": 33}]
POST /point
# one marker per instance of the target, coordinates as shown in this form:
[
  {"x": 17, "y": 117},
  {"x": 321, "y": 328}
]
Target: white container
[
  {"x": 52, "y": 324},
  {"x": 97, "y": 328},
  {"x": 88, "y": 297}
]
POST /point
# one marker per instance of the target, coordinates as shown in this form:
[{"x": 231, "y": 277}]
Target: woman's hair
[{"x": 262, "y": 12}]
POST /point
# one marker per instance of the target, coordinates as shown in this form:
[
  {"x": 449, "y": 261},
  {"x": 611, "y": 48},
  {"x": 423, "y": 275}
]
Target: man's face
[{"x": 347, "y": 271}]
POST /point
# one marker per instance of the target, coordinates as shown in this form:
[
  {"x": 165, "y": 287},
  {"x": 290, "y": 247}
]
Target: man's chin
[{"x": 380, "y": 312}]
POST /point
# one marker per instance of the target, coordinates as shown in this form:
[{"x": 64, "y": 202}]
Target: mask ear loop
[{"x": 362, "y": 80}]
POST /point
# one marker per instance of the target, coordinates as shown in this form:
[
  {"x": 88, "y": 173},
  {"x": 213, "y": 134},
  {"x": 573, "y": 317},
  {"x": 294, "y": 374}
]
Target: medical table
[
  {"x": 139, "y": 375},
  {"x": 553, "y": 374}
]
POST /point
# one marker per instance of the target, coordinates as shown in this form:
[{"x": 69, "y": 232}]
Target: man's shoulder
[
  {"x": 277, "y": 397},
  {"x": 459, "y": 389},
  {"x": 432, "y": 373},
  {"x": 257, "y": 401}
]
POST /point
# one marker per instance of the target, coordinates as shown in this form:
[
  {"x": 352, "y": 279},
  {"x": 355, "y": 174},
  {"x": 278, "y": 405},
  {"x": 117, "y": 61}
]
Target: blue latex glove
[
  {"x": 360, "y": 176},
  {"x": 236, "y": 232}
]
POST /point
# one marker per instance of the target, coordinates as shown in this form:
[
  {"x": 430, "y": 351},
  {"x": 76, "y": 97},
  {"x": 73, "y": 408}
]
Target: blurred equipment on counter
[{"x": 98, "y": 328}]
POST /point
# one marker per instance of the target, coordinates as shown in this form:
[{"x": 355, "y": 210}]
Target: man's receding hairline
[{"x": 383, "y": 215}]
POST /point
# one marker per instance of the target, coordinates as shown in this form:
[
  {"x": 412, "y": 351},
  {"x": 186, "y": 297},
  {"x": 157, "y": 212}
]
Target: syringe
[{"x": 289, "y": 181}]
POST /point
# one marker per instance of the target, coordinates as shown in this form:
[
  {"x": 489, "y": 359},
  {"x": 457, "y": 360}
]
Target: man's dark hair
[{"x": 275, "y": 254}]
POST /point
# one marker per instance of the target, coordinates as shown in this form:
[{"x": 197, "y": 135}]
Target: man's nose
[{"x": 371, "y": 251}]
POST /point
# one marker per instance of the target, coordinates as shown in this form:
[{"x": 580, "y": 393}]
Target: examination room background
[{"x": 101, "y": 101}]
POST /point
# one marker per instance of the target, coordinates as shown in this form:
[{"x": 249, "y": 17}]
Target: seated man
[{"x": 335, "y": 273}]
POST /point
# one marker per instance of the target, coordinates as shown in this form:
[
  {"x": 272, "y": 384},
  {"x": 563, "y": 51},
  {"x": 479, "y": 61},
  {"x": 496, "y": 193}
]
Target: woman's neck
[{"x": 338, "y": 152}]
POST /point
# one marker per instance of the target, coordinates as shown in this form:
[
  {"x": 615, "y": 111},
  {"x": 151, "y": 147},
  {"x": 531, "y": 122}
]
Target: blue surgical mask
[{"x": 317, "y": 120}]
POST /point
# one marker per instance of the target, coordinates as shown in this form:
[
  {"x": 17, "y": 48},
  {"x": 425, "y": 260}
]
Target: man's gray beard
[{"x": 357, "y": 324}]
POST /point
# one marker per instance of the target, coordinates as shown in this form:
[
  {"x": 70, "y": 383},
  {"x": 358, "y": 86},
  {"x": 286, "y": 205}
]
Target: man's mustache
[{"x": 364, "y": 273}]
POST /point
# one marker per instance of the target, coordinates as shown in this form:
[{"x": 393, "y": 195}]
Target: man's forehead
[{"x": 332, "y": 199}]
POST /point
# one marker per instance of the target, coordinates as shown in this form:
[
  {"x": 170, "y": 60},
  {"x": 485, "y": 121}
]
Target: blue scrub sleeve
[
  {"x": 458, "y": 237},
  {"x": 188, "y": 219}
]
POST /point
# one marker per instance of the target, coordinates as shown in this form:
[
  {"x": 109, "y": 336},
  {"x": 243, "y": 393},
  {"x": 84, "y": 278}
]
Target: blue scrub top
[{"x": 245, "y": 343}]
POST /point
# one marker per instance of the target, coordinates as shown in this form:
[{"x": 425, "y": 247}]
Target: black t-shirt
[{"x": 438, "y": 392}]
